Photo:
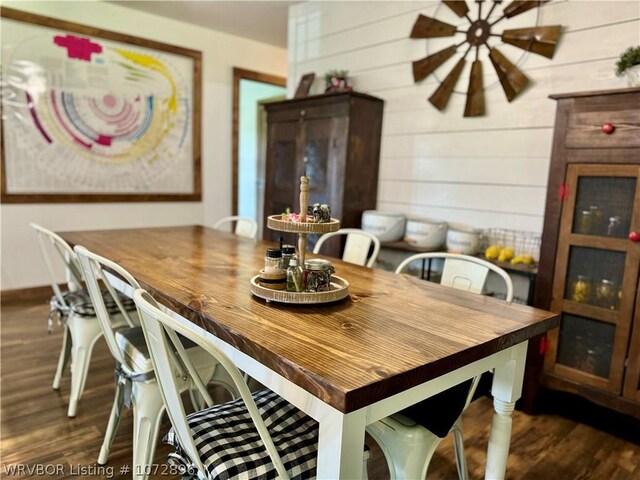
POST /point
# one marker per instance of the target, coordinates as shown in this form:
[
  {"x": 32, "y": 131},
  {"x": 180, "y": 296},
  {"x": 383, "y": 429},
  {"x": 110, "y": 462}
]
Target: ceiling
[{"x": 263, "y": 21}]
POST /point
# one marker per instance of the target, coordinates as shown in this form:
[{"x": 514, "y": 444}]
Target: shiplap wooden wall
[{"x": 486, "y": 172}]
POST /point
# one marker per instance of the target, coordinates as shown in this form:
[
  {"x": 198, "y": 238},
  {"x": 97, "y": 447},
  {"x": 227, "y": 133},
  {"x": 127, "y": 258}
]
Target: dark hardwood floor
[{"x": 35, "y": 430}]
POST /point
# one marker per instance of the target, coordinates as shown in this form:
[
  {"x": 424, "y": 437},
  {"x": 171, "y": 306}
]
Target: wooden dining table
[{"x": 394, "y": 341}]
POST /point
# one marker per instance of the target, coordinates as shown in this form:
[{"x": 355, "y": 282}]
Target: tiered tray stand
[{"x": 339, "y": 288}]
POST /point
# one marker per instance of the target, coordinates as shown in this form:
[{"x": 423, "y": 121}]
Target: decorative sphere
[{"x": 608, "y": 128}]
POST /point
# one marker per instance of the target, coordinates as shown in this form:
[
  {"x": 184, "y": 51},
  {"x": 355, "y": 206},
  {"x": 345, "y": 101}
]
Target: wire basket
[{"x": 521, "y": 241}]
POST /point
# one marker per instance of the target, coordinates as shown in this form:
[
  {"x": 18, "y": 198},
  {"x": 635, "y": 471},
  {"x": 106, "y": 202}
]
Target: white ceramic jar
[
  {"x": 462, "y": 239},
  {"x": 387, "y": 226},
  {"x": 425, "y": 233}
]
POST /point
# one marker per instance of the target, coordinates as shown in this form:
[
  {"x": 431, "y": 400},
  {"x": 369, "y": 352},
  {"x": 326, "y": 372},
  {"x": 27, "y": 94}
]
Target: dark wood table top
[{"x": 393, "y": 332}]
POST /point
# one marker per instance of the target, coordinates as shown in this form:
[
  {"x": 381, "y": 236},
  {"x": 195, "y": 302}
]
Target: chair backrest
[
  {"x": 49, "y": 242},
  {"x": 160, "y": 329},
  {"x": 245, "y": 226},
  {"x": 463, "y": 271},
  {"x": 93, "y": 268},
  {"x": 357, "y": 246}
]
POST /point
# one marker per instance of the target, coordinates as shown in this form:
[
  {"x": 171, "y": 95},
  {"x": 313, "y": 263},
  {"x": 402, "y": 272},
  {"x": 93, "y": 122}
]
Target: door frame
[{"x": 242, "y": 74}]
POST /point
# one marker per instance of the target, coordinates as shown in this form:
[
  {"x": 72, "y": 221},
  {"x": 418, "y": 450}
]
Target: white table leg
[
  {"x": 506, "y": 389},
  {"x": 341, "y": 445}
]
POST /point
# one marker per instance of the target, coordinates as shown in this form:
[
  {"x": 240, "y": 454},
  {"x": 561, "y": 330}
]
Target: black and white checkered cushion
[
  {"x": 79, "y": 303},
  {"x": 230, "y": 446}
]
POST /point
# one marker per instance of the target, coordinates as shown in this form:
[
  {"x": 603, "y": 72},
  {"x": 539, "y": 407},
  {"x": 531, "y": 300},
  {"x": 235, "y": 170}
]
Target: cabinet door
[
  {"x": 324, "y": 156},
  {"x": 281, "y": 180},
  {"x": 596, "y": 275},
  {"x": 632, "y": 376}
]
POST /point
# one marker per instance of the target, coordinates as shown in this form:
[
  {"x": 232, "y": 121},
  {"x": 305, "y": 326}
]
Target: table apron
[{"x": 399, "y": 401}]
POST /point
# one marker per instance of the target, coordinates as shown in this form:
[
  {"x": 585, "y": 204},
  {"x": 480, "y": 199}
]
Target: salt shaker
[
  {"x": 273, "y": 260},
  {"x": 288, "y": 252}
]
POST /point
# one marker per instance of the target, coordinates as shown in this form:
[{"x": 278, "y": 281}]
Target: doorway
[{"x": 251, "y": 90}]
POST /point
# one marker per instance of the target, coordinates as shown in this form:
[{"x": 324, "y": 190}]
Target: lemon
[
  {"x": 506, "y": 254},
  {"x": 518, "y": 259},
  {"x": 527, "y": 259},
  {"x": 492, "y": 252}
]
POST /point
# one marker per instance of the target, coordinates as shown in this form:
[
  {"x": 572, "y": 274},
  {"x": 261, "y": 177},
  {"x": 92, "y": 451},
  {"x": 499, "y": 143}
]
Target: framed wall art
[
  {"x": 90, "y": 115},
  {"x": 304, "y": 85}
]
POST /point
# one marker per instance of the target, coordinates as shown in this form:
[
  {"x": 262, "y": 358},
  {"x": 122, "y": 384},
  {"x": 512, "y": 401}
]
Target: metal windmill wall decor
[{"x": 541, "y": 40}]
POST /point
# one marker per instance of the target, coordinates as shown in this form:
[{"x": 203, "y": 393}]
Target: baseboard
[{"x": 32, "y": 293}]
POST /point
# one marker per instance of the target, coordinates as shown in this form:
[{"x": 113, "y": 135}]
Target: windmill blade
[
  {"x": 540, "y": 40},
  {"x": 459, "y": 7},
  {"x": 519, "y": 6},
  {"x": 440, "y": 97},
  {"x": 475, "y": 93},
  {"x": 427, "y": 27},
  {"x": 513, "y": 81},
  {"x": 423, "y": 68}
]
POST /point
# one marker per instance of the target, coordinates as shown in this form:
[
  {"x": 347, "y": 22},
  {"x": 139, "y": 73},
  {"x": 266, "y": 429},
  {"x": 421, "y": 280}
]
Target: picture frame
[
  {"x": 304, "y": 85},
  {"x": 90, "y": 115}
]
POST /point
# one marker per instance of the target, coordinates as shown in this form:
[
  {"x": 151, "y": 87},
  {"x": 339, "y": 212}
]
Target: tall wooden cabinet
[
  {"x": 339, "y": 136},
  {"x": 590, "y": 256}
]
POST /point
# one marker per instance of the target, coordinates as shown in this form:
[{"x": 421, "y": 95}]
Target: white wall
[
  {"x": 489, "y": 171},
  {"x": 20, "y": 263}
]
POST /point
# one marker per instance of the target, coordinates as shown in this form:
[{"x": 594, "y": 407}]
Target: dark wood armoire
[{"x": 335, "y": 137}]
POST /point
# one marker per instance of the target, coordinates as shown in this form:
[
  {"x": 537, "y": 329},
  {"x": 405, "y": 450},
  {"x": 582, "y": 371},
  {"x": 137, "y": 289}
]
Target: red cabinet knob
[
  {"x": 634, "y": 237},
  {"x": 608, "y": 128}
]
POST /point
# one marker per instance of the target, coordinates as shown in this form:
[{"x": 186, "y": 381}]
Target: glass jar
[
  {"x": 585, "y": 222},
  {"x": 596, "y": 219},
  {"x": 317, "y": 275},
  {"x": 593, "y": 361},
  {"x": 288, "y": 252},
  {"x": 606, "y": 294},
  {"x": 614, "y": 229},
  {"x": 295, "y": 276},
  {"x": 579, "y": 352},
  {"x": 273, "y": 260},
  {"x": 581, "y": 289}
]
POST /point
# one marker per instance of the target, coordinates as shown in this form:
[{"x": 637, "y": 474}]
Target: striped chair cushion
[
  {"x": 230, "y": 447},
  {"x": 79, "y": 303}
]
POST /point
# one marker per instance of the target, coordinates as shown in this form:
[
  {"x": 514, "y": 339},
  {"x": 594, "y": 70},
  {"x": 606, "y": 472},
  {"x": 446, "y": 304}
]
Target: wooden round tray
[
  {"x": 275, "y": 222},
  {"x": 339, "y": 290}
]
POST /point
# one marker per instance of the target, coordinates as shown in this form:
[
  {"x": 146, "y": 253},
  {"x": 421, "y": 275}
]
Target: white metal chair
[
  {"x": 227, "y": 440},
  {"x": 409, "y": 438},
  {"x": 75, "y": 312},
  {"x": 357, "y": 246},
  {"x": 245, "y": 226},
  {"x": 136, "y": 383}
]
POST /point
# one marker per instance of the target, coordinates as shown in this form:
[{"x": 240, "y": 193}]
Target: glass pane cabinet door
[
  {"x": 604, "y": 206},
  {"x": 281, "y": 175},
  {"x": 632, "y": 376},
  {"x": 586, "y": 345},
  {"x": 323, "y": 151},
  {"x": 324, "y": 164},
  {"x": 596, "y": 275}
]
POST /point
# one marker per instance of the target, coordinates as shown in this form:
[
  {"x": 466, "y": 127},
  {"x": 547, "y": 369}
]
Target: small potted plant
[
  {"x": 337, "y": 81},
  {"x": 629, "y": 66}
]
